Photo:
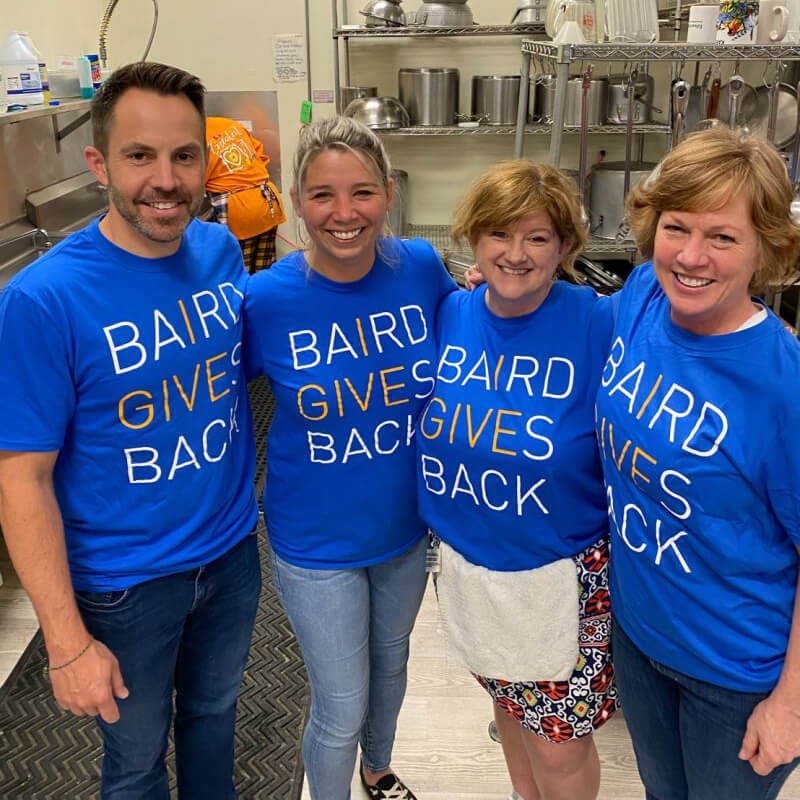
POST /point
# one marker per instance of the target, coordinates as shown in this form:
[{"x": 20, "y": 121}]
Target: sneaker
[{"x": 389, "y": 787}]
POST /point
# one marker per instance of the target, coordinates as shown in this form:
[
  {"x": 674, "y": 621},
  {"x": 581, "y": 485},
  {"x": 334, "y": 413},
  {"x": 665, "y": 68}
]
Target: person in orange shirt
[{"x": 241, "y": 193}]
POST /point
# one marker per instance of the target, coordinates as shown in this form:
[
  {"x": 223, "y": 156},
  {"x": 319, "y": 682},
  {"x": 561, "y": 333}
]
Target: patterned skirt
[{"x": 562, "y": 710}]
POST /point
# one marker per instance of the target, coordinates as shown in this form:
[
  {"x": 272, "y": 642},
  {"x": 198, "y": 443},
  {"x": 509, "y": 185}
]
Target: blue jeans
[
  {"x": 353, "y": 627},
  {"x": 687, "y": 733},
  {"x": 189, "y": 634}
]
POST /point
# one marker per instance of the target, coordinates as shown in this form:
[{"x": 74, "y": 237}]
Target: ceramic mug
[
  {"x": 793, "y": 34},
  {"x": 702, "y": 27},
  {"x": 737, "y": 21},
  {"x": 773, "y": 22}
]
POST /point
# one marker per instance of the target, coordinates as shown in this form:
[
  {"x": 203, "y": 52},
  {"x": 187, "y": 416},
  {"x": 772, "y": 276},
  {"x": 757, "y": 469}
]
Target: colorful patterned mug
[{"x": 737, "y": 21}]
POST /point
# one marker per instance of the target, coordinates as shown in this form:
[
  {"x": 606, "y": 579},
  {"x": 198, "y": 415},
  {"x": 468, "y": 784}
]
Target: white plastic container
[
  {"x": 44, "y": 75},
  {"x": 19, "y": 67}
]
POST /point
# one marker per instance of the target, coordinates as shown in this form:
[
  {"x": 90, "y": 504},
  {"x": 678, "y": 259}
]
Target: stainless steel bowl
[
  {"x": 444, "y": 15},
  {"x": 349, "y": 93},
  {"x": 383, "y": 13},
  {"x": 528, "y": 14},
  {"x": 380, "y": 113}
]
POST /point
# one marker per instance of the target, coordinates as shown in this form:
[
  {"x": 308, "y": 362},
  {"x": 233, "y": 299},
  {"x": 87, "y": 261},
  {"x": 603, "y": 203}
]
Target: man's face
[{"x": 154, "y": 169}]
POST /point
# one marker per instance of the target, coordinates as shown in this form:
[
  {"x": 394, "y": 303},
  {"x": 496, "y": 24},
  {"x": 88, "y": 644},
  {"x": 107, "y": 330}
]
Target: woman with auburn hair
[
  {"x": 698, "y": 423},
  {"x": 510, "y": 479}
]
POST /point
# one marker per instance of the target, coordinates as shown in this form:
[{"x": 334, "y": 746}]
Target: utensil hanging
[
  {"x": 680, "y": 102},
  {"x": 586, "y": 85}
]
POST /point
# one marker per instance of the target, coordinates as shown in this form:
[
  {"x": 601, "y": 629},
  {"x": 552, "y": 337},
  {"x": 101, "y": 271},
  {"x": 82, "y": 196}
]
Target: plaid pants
[{"x": 259, "y": 251}]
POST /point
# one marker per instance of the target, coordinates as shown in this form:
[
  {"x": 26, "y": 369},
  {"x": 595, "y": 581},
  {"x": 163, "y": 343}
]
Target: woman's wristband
[{"x": 74, "y": 658}]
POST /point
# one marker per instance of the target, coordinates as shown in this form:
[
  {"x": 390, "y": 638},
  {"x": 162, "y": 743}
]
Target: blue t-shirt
[
  {"x": 350, "y": 365},
  {"x": 698, "y": 436},
  {"x": 131, "y": 368},
  {"x": 509, "y": 473}
]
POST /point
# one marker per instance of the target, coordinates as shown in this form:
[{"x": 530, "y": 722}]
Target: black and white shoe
[{"x": 389, "y": 787}]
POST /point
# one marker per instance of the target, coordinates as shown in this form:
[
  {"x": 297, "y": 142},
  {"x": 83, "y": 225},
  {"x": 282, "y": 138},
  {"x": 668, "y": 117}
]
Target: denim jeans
[
  {"x": 187, "y": 634},
  {"x": 687, "y": 733},
  {"x": 353, "y": 627}
]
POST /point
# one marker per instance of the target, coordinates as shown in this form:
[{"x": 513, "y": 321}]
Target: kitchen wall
[
  {"x": 56, "y": 26},
  {"x": 229, "y": 46}
]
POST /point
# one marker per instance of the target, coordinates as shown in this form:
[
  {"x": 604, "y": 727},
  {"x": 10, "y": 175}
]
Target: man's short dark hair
[{"x": 159, "y": 78}]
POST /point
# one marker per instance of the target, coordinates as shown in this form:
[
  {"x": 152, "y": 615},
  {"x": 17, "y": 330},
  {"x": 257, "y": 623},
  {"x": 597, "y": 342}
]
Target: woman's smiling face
[
  {"x": 705, "y": 262},
  {"x": 343, "y": 203},
  {"x": 519, "y": 262}
]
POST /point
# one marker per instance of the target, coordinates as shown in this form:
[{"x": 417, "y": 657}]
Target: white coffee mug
[
  {"x": 702, "y": 24},
  {"x": 793, "y": 34},
  {"x": 773, "y": 22}
]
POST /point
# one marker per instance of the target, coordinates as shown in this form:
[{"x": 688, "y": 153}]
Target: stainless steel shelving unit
[
  {"x": 343, "y": 33},
  {"x": 60, "y": 130},
  {"x": 540, "y": 129},
  {"x": 563, "y": 55},
  {"x": 362, "y": 32},
  {"x": 34, "y": 112}
]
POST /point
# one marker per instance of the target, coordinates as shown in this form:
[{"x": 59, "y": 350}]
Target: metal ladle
[
  {"x": 735, "y": 87},
  {"x": 680, "y": 103}
]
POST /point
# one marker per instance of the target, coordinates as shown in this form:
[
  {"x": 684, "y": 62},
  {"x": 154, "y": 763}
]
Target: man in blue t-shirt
[{"x": 127, "y": 454}]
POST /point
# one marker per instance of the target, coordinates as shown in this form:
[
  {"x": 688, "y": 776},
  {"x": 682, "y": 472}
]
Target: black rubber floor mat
[{"x": 47, "y": 754}]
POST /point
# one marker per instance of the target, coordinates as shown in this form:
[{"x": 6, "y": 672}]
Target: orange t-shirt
[{"x": 237, "y": 164}]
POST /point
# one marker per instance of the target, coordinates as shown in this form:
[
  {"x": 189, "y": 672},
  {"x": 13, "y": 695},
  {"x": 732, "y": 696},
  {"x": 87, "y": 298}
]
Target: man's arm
[
  {"x": 773, "y": 730},
  {"x": 34, "y": 533}
]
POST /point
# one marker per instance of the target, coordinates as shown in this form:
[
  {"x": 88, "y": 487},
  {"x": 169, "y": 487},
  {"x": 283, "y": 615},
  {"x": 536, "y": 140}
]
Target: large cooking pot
[
  {"x": 596, "y": 101},
  {"x": 544, "y": 96},
  {"x": 430, "y": 94},
  {"x": 643, "y": 87},
  {"x": 398, "y": 219},
  {"x": 541, "y": 96},
  {"x": 607, "y": 196},
  {"x": 495, "y": 98}
]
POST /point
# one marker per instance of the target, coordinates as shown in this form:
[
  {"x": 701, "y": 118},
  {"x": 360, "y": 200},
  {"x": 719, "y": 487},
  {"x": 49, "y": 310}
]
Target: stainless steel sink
[{"x": 18, "y": 251}]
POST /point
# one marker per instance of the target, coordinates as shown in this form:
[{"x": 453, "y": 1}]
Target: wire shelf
[
  {"x": 658, "y": 51},
  {"x": 362, "y": 32},
  {"x": 539, "y": 129},
  {"x": 439, "y": 237}
]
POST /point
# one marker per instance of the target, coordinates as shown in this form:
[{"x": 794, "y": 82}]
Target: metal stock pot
[
  {"x": 430, "y": 94},
  {"x": 596, "y": 100},
  {"x": 495, "y": 98},
  {"x": 607, "y": 196}
]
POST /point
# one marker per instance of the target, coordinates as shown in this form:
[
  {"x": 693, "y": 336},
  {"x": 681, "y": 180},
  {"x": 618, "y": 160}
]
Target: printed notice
[
  {"x": 322, "y": 95},
  {"x": 289, "y": 57}
]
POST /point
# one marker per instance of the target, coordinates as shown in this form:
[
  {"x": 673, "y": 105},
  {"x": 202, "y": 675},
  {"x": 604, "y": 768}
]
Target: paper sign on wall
[{"x": 289, "y": 57}]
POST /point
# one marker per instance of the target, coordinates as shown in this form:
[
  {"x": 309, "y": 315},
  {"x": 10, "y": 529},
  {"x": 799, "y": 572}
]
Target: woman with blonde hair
[
  {"x": 344, "y": 332},
  {"x": 510, "y": 479},
  {"x": 698, "y": 422}
]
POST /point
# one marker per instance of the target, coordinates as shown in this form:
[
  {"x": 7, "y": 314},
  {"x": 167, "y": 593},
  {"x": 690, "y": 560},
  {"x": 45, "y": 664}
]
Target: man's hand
[
  {"x": 90, "y": 684},
  {"x": 773, "y": 734}
]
